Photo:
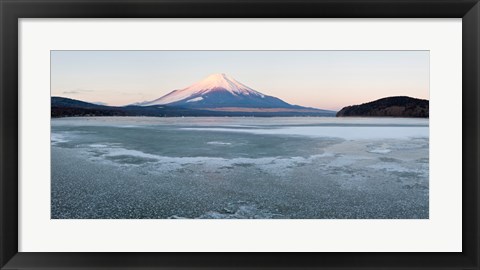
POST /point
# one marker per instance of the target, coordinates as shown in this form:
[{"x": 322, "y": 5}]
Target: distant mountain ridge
[
  {"x": 398, "y": 106},
  {"x": 216, "y": 95},
  {"x": 66, "y": 107}
]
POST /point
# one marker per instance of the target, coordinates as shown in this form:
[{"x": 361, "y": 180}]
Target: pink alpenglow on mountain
[{"x": 224, "y": 93}]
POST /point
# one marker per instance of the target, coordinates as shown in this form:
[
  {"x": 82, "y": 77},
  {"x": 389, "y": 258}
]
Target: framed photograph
[{"x": 239, "y": 134}]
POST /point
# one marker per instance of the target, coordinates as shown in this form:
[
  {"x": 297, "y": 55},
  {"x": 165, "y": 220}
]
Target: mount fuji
[
  {"x": 216, "y": 95},
  {"x": 219, "y": 92}
]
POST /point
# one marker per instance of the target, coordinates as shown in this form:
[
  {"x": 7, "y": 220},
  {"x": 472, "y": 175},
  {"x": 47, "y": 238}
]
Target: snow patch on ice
[
  {"x": 380, "y": 151},
  {"x": 243, "y": 212},
  {"x": 219, "y": 143},
  {"x": 65, "y": 136},
  {"x": 125, "y": 152},
  {"x": 347, "y": 133},
  {"x": 97, "y": 145},
  {"x": 128, "y": 126},
  {"x": 344, "y": 160},
  {"x": 389, "y": 167},
  {"x": 126, "y": 157},
  {"x": 56, "y": 138},
  {"x": 236, "y": 210}
]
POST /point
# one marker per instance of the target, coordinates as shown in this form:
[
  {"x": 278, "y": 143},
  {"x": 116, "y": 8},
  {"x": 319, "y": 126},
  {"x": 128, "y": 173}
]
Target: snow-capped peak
[
  {"x": 221, "y": 80},
  {"x": 214, "y": 82}
]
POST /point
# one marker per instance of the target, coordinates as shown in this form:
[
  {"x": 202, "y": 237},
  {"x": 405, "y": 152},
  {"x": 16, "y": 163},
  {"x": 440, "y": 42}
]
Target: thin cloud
[{"x": 77, "y": 91}]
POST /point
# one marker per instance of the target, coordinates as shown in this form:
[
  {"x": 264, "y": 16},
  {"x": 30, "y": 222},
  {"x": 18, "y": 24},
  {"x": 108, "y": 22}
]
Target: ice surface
[
  {"x": 348, "y": 133},
  {"x": 140, "y": 167},
  {"x": 254, "y": 122}
]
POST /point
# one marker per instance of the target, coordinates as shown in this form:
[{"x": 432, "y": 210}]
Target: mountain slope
[
  {"x": 61, "y": 107},
  {"x": 73, "y": 103},
  {"x": 210, "y": 85},
  {"x": 401, "y": 106},
  {"x": 221, "y": 91}
]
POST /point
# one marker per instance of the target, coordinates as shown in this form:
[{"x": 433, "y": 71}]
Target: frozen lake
[{"x": 226, "y": 167}]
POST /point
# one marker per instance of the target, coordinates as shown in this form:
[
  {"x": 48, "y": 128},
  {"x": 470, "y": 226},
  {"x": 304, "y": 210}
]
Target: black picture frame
[{"x": 12, "y": 10}]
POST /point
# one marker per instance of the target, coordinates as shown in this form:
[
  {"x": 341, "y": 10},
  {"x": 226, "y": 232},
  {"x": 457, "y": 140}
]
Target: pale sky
[{"x": 320, "y": 79}]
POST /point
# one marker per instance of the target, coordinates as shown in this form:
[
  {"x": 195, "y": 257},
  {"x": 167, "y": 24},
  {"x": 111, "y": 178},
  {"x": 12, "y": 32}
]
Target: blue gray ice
[{"x": 262, "y": 168}]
